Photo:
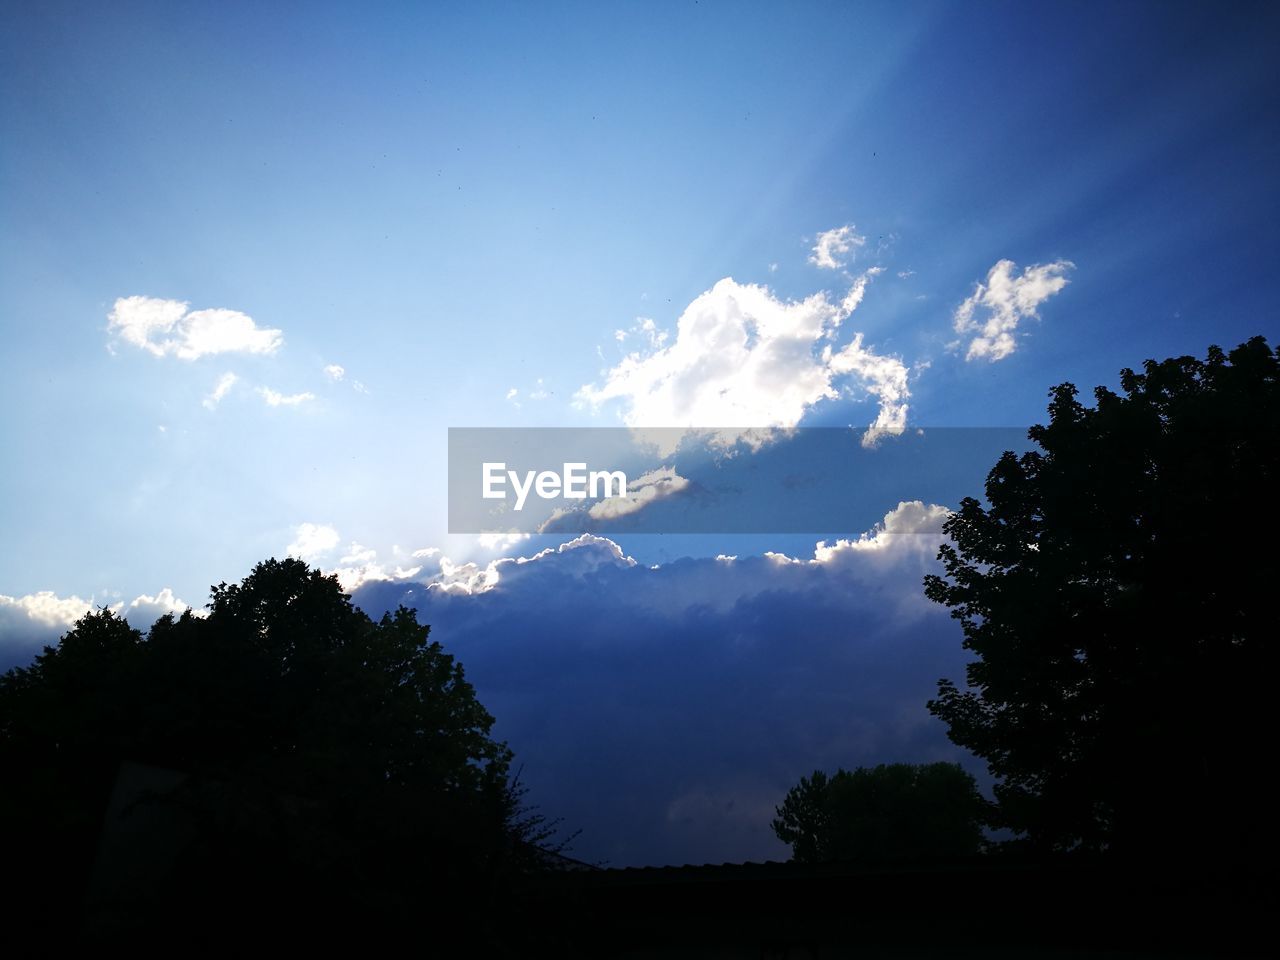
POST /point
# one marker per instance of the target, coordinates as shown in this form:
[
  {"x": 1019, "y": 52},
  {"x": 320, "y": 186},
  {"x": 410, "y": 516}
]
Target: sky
[{"x": 257, "y": 261}]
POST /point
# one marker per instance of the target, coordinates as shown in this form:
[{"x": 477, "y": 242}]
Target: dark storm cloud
[{"x": 666, "y": 710}]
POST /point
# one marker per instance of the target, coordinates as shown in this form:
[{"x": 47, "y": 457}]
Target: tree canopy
[
  {"x": 1115, "y": 590},
  {"x": 325, "y": 758},
  {"x": 897, "y": 811}
]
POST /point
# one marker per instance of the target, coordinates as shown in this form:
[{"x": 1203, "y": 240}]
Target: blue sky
[{"x": 462, "y": 206}]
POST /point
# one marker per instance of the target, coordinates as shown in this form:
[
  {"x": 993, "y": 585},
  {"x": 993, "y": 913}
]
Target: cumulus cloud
[
  {"x": 47, "y": 609},
  {"x": 991, "y": 314},
  {"x": 274, "y": 398},
  {"x": 146, "y": 610},
  {"x": 666, "y": 709},
  {"x": 910, "y": 518},
  {"x": 31, "y": 622},
  {"x": 311, "y": 541},
  {"x": 220, "y": 390},
  {"x": 744, "y": 358},
  {"x": 833, "y": 245},
  {"x": 170, "y": 328},
  {"x": 642, "y": 491},
  {"x": 911, "y": 528}
]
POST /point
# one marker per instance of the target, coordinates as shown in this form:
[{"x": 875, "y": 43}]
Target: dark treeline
[{"x": 282, "y": 759}]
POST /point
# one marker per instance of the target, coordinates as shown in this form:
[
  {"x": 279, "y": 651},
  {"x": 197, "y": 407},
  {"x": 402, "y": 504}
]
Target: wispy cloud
[
  {"x": 833, "y": 245},
  {"x": 1002, "y": 302},
  {"x": 642, "y": 491},
  {"x": 274, "y": 398},
  {"x": 220, "y": 390},
  {"x": 169, "y": 328},
  {"x": 336, "y": 373}
]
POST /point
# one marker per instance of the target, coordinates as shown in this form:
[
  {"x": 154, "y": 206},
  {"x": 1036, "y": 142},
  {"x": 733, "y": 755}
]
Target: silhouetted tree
[
  {"x": 1116, "y": 592},
  {"x": 331, "y": 764},
  {"x": 890, "y": 812}
]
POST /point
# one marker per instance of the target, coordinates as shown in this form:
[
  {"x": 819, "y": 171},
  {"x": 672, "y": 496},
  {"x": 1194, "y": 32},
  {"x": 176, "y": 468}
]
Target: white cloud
[
  {"x": 908, "y": 518},
  {"x": 335, "y": 372},
  {"x": 884, "y": 378},
  {"x": 907, "y": 540},
  {"x": 47, "y": 609},
  {"x": 744, "y": 358},
  {"x": 912, "y": 529},
  {"x": 274, "y": 398},
  {"x": 312, "y": 540},
  {"x": 464, "y": 578},
  {"x": 512, "y": 394},
  {"x": 145, "y": 609},
  {"x": 359, "y": 565},
  {"x": 499, "y": 541},
  {"x": 577, "y": 557},
  {"x": 167, "y": 327},
  {"x": 220, "y": 390},
  {"x": 644, "y": 490},
  {"x": 1006, "y": 300},
  {"x": 909, "y": 535},
  {"x": 40, "y": 619},
  {"x": 834, "y": 244}
]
